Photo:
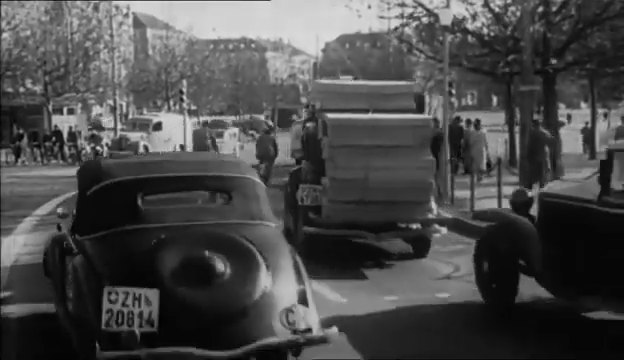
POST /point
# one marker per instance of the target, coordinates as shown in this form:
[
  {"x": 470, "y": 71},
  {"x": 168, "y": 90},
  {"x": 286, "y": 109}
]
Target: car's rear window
[
  {"x": 219, "y": 134},
  {"x": 201, "y": 198}
]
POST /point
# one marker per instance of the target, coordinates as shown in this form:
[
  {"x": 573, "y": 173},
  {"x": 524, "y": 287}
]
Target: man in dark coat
[
  {"x": 538, "y": 154},
  {"x": 59, "y": 141},
  {"x": 456, "y": 135}
]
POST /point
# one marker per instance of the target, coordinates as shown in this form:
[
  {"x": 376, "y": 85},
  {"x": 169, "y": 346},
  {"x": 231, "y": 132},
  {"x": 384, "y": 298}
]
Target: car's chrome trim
[
  {"x": 150, "y": 226},
  {"x": 556, "y": 198},
  {"x": 198, "y": 174},
  {"x": 293, "y": 341}
]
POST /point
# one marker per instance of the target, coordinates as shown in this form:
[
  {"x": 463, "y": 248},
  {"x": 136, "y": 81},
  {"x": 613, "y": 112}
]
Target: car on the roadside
[
  {"x": 178, "y": 254},
  {"x": 575, "y": 249}
]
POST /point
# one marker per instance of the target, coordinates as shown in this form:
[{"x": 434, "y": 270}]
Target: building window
[
  {"x": 358, "y": 43},
  {"x": 347, "y": 45},
  {"x": 71, "y": 111},
  {"x": 57, "y": 111}
]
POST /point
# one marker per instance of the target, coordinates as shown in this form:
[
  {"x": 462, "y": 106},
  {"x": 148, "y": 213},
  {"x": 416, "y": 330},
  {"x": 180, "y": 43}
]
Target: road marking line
[
  {"x": 12, "y": 244},
  {"x": 327, "y": 292},
  {"x": 391, "y": 298},
  {"x": 21, "y": 310}
]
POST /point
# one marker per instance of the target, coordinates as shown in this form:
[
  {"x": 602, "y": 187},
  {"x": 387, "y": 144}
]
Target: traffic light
[
  {"x": 451, "y": 89},
  {"x": 183, "y": 101}
]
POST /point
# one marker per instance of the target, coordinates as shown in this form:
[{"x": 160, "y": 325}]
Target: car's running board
[{"x": 327, "y": 335}]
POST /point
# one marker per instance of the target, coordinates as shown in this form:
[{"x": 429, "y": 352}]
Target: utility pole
[
  {"x": 446, "y": 18},
  {"x": 113, "y": 70},
  {"x": 527, "y": 88}
]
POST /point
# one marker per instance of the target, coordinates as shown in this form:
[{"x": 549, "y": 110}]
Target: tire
[
  {"x": 421, "y": 246},
  {"x": 497, "y": 271}
]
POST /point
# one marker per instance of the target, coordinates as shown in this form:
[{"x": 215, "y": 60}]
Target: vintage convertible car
[
  {"x": 575, "y": 250},
  {"x": 178, "y": 254}
]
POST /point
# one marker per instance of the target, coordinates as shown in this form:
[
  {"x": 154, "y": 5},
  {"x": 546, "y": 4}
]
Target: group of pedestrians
[
  {"x": 468, "y": 146},
  {"x": 34, "y": 147}
]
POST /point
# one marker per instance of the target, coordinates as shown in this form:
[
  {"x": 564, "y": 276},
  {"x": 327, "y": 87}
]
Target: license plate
[
  {"x": 129, "y": 308},
  {"x": 309, "y": 195}
]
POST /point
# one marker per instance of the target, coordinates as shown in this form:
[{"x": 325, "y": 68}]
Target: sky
[{"x": 301, "y": 22}]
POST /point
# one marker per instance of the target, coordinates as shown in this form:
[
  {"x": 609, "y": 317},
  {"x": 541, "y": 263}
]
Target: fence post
[
  {"x": 499, "y": 182},
  {"x": 453, "y": 162},
  {"x": 472, "y": 191}
]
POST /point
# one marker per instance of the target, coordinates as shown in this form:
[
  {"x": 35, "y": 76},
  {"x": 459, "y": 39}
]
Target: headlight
[{"x": 296, "y": 318}]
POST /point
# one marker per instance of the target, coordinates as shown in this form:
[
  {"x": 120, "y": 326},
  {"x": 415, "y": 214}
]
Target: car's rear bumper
[{"x": 292, "y": 342}]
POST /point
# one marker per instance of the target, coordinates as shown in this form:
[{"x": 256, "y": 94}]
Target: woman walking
[{"x": 478, "y": 150}]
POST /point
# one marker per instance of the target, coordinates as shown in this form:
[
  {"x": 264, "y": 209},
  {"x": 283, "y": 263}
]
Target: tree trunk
[
  {"x": 594, "y": 110},
  {"x": 167, "y": 97},
  {"x": 551, "y": 121},
  {"x": 510, "y": 116}
]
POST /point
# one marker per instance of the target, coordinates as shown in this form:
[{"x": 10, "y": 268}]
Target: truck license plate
[
  {"x": 310, "y": 195},
  {"x": 129, "y": 308}
]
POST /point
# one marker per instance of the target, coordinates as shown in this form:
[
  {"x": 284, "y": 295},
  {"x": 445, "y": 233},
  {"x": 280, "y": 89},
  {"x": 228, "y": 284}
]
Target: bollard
[
  {"x": 453, "y": 162},
  {"x": 499, "y": 182},
  {"x": 472, "y": 190}
]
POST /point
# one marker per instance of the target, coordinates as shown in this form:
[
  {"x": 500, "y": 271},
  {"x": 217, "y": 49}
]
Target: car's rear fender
[{"x": 262, "y": 318}]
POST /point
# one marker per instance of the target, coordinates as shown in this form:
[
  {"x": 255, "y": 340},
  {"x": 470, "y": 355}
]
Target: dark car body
[
  {"x": 195, "y": 235},
  {"x": 574, "y": 250}
]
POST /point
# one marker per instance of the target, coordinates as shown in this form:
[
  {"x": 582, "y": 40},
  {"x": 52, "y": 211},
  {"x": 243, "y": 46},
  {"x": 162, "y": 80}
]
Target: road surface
[{"x": 386, "y": 309}]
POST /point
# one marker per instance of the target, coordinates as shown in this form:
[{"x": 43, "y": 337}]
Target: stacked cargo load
[{"x": 378, "y": 165}]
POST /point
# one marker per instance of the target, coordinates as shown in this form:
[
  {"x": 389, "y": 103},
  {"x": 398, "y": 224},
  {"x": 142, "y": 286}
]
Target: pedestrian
[
  {"x": 467, "y": 157},
  {"x": 569, "y": 118},
  {"x": 59, "y": 143},
  {"x": 72, "y": 143},
  {"x": 538, "y": 155},
  {"x": 25, "y": 148},
  {"x": 586, "y": 137},
  {"x": 34, "y": 140},
  {"x": 48, "y": 146},
  {"x": 16, "y": 145},
  {"x": 266, "y": 153},
  {"x": 313, "y": 165},
  {"x": 204, "y": 139},
  {"x": 456, "y": 135},
  {"x": 296, "y": 132},
  {"x": 478, "y": 149},
  {"x": 619, "y": 130},
  {"x": 437, "y": 141}
]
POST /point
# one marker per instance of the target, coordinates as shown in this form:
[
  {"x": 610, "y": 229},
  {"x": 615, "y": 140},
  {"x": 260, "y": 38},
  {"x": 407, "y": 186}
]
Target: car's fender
[{"x": 517, "y": 234}]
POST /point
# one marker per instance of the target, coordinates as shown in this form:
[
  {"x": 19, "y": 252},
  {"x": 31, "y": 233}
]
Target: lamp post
[{"x": 446, "y": 18}]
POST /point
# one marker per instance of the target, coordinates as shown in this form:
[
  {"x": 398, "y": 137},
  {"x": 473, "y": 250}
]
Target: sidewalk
[{"x": 577, "y": 168}]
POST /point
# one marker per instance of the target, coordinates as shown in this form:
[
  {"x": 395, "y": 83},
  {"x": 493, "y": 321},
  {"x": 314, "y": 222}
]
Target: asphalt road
[{"x": 386, "y": 309}]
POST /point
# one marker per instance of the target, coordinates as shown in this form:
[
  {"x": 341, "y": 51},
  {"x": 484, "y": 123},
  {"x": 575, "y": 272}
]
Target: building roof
[
  {"x": 371, "y": 36},
  {"x": 152, "y": 22},
  {"x": 231, "y": 44}
]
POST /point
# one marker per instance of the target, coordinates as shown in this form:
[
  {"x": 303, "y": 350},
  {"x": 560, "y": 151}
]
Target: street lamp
[{"x": 446, "y": 18}]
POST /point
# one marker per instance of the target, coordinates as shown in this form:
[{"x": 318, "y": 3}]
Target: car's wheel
[
  {"x": 421, "y": 246},
  {"x": 497, "y": 271}
]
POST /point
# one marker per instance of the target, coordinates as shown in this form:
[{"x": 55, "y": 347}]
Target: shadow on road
[
  {"x": 541, "y": 329},
  {"x": 34, "y": 337},
  {"x": 334, "y": 258}
]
